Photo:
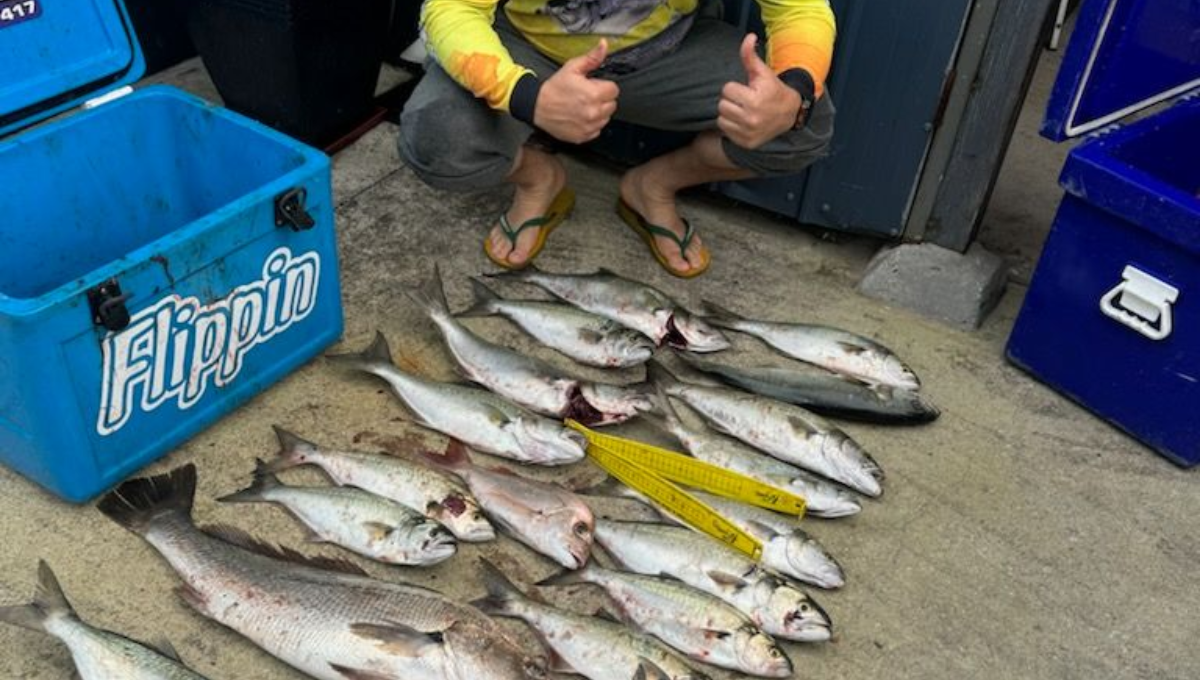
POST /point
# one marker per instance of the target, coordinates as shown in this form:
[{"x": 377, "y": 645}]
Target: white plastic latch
[
  {"x": 108, "y": 97},
  {"x": 1142, "y": 303}
]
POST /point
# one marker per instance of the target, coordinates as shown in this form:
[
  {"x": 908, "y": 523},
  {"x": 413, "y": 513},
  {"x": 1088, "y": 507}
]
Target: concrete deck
[{"x": 1019, "y": 537}]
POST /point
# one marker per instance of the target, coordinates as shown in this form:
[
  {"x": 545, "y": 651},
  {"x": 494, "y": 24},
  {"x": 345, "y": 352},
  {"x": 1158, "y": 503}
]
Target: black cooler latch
[
  {"x": 108, "y": 305},
  {"x": 289, "y": 210}
]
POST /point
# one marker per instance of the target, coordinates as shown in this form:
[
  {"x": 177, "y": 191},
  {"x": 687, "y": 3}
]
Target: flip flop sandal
[
  {"x": 648, "y": 231},
  {"x": 558, "y": 211}
]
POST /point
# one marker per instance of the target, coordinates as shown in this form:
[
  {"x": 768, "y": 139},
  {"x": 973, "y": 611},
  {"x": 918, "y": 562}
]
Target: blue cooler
[
  {"x": 1112, "y": 318},
  {"x": 162, "y": 260}
]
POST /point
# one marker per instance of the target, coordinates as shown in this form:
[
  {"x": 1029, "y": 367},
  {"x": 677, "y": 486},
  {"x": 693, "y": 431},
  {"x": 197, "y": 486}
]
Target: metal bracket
[
  {"x": 107, "y": 303},
  {"x": 289, "y": 210}
]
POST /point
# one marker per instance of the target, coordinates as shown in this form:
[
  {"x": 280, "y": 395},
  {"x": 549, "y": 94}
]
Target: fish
[
  {"x": 585, "y": 337},
  {"x": 697, "y": 624},
  {"x": 359, "y": 521},
  {"x": 630, "y": 303},
  {"x": 775, "y": 605},
  {"x": 439, "y": 496},
  {"x": 321, "y": 616},
  {"x": 524, "y": 380},
  {"x": 821, "y": 498},
  {"x": 833, "y": 349},
  {"x": 98, "y": 654},
  {"x": 591, "y": 646},
  {"x": 480, "y": 418},
  {"x": 828, "y": 394},
  {"x": 543, "y": 516},
  {"x": 785, "y": 431}
]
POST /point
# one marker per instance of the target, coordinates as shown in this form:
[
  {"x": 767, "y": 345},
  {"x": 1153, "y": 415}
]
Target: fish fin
[
  {"x": 590, "y": 336},
  {"x": 758, "y": 527},
  {"x": 292, "y": 451},
  {"x": 606, "y": 614},
  {"x": 396, "y": 638},
  {"x": 520, "y": 275},
  {"x": 454, "y": 459},
  {"x": 606, "y": 271},
  {"x": 719, "y": 316},
  {"x": 136, "y": 503},
  {"x": 48, "y": 600},
  {"x": 378, "y": 530},
  {"x": 192, "y": 598},
  {"x": 557, "y": 664},
  {"x": 713, "y": 634},
  {"x": 724, "y": 578},
  {"x": 163, "y": 646},
  {"x": 801, "y": 425},
  {"x": 503, "y": 595},
  {"x": 263, "y": 482},
  {"x": 241, "y": 539},
  {"x": 431, "y": 295},
  {"x": 851, "y": 348},
  {"x": 358, "y": 674},
  {"x": 648, "y": 670},
  {"x": 568, "y": 577},
  {"x": 485, "y": 300},
  {"x": 376, "y": 354},
  {"x": 661, "y": 376}
]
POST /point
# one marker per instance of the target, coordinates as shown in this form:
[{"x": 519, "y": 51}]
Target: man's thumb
[
  {"x": 591, "y": 61},
  {"x": 755, "y": 67}
]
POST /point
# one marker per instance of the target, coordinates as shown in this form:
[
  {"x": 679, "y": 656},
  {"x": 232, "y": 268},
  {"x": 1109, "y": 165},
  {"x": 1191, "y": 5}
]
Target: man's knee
[{"x": 791, "y": 152}]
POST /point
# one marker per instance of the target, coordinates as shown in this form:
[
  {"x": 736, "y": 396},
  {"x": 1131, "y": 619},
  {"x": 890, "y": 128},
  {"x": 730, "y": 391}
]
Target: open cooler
[
  {"x": 162, "y": 260},
  {"x": 1112, "y": 317}
]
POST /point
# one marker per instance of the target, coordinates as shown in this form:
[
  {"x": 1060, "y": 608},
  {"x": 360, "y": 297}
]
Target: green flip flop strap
[
  {"x": 683, "y": 242},
  {"x": 513, "y": 234}
]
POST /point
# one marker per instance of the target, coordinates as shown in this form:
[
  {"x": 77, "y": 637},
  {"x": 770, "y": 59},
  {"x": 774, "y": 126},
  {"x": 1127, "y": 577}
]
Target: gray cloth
[{"x": 454, "y": 141}]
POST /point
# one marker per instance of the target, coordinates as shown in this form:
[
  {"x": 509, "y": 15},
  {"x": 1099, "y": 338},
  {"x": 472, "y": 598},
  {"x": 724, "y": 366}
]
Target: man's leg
[
  {"x": 453, "y": 141},
  {"x": 681, "y": 92}
]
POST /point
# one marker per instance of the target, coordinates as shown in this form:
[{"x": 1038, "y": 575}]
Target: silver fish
[
  {"x": 825, "y": 393},
  {"x": 774, "y": 605},
  {"x": 483, "y": 420},
  {"x": 833, "y": 349},
  {"x": 438, "y": 495},
  {"x": 98, "y": 654},
  {"x": 586, "y": 645},
  {"x": 629, "y": 303},
  {"x": 821, "y": 498},
  {"x": 693, "y": 622},
  {"x": 585, "y": 337},
  {"x": 359, "y": 521},
  {"x": 323, "y": 617},
  {"x": 524, "y": 380},
  {"x": 546, "y": 517},
  {"x": 785, "y": 431},
  {"x": 787, "y": 549}
]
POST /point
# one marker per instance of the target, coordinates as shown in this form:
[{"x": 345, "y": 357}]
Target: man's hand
[
  {"x": 573, "y": 107},
  {"x": 753, "y": 114}
]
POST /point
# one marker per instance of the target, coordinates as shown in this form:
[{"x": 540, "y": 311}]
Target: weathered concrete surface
[
  {"x": 1019, "y": 538},
  {"x": 958, "y": 289}
]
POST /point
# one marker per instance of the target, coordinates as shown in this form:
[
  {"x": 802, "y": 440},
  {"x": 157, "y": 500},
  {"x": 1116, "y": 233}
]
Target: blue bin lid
[
  {"x": 1124, "y": 56},
  {"x": 57, "y": 53}
]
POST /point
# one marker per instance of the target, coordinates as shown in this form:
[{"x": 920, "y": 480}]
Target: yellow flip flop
[
  {"x": 648, "y": 231},
  {"x": 558, "y": 212}
]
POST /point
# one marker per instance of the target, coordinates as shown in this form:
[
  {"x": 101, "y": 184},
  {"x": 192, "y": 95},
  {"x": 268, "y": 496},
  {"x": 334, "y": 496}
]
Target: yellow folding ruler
[{"x": 654, "y": 472}]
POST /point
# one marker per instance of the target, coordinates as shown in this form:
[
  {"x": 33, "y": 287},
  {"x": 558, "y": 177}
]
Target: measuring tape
[{"x": 653, "y": 471}]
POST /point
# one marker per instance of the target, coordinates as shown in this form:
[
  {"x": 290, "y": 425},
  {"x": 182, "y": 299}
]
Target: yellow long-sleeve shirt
[{"x": 460, "y": 36}]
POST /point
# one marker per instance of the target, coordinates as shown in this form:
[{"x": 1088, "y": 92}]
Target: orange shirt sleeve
[
  {"x": 800, "y": 34},
  {"x": 459, "y": 34}
]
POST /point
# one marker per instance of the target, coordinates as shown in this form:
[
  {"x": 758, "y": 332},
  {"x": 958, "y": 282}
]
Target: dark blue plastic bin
[
  {"x": 1112, "y": 317},
  {"x": 175, "y": 203}
]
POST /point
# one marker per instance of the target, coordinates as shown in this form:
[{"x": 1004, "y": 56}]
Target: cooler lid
[
  {"x": 57, "y": 53},
  {"x": 1124, "y": 56}
]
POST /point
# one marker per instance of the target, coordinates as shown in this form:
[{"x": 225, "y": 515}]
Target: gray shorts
[{"x": 454, "y": 141}]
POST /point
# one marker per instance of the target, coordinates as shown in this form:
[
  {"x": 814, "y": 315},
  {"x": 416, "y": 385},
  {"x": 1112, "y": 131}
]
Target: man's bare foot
[
  {"x": 538, "y": 179},
  {"x": 657, "y": 205}
]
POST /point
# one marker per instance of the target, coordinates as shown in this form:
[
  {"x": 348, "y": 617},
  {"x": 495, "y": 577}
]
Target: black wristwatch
[
  {"x": 806, "y": 104},
  {"x": 802, "y": 82}
]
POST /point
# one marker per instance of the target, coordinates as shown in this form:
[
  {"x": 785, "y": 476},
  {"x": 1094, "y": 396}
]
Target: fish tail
[
  {"x": 376, "y": 354},
  {"x": 138, "y": 503},
  {"x": 294, "y": 451},
  {"x": 48, "y": 600},
  {"x": 719, "y": 316},
  {"x": 263, "y": 482},
  {"x": 504, "y": 598},
  {"x": 485, "y": 300},
  {"x": 660, "y": 376},
  {"x": 454, "y": 458},
  {"x": 431, "y": 295}
]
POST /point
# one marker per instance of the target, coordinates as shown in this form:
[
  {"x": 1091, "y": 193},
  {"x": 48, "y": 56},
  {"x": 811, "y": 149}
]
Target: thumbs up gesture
[
  {"x": 755, "y": 113},
  {"x": 574, "y": 107}
]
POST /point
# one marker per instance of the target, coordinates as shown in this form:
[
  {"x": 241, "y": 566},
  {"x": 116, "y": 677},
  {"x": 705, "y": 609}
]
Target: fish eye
[
  {"x": 582, "y": 529},
  {"x": 774, "y": 652},
  {"x": 805, "y": 608}
]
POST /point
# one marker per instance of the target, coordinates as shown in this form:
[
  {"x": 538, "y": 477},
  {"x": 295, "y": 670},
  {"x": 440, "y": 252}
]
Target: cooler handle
[{"x": 1141, "y": 302}]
